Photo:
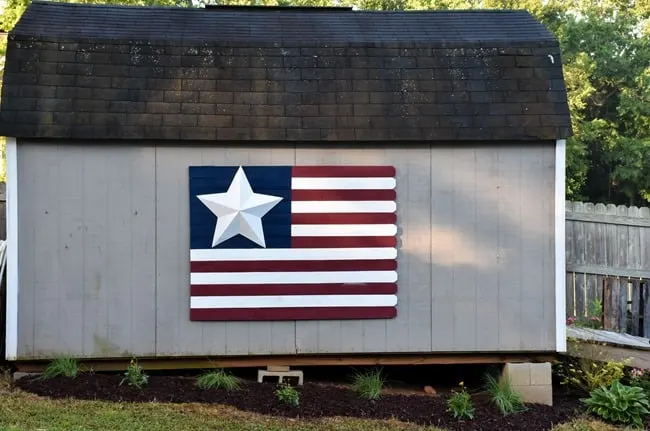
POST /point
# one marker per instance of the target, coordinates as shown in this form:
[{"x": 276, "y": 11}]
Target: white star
[{"x": 239, "y": 210}]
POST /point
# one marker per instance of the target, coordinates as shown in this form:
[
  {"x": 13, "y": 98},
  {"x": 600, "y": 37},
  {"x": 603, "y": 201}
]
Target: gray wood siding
[{"x": 104, "y": 252}]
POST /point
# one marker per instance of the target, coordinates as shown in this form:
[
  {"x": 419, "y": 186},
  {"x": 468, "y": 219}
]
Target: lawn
[{"x": 26, "y": 412}]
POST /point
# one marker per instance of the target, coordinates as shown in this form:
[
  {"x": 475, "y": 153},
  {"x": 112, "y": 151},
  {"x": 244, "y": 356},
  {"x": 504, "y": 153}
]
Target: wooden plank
[
  {"x": 619, "y": 305},
  {"x": 580, "y": 259},
  {"x": 646, "y": 307},
  {"x": 608, "y": 315},
  {"x": 634, "y": 241},
  {"x": 300, "y": 360},
  {"x": 581, "y": 294},
  {"x": 600, "y": 352},
  {"x": 570, "y": 294},
  {"x": 442, "y": 245},
  {"x": 636, "y": 304},
  {"x": 644, "y": 241},
  {"x": 609, "y": 271},
  {"x": 608, "y": 337},
  {"x": 623, "y": 220},
  {"x": 463, "y": 176}
]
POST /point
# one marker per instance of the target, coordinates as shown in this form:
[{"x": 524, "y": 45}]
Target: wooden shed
[{"x": 317, "y": 185}]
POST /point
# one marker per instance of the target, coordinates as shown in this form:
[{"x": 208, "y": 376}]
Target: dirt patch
[{"x": 317, "y": 400}]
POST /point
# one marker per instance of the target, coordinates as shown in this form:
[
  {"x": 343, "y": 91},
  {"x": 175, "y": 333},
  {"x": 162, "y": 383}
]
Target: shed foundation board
[{"x": 475, "y": 252}]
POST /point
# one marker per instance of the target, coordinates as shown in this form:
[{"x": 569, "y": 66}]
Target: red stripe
[
  {"x": 292, "y": 289},
  {"x": 297, "y": 313},
  {"x": 343, "y": 195},
  {"x": 342, "y": 241},
  {"x": 343, "y": 218},
  {"x": 293, "y": 265},
  {"x": 343, "y": 171}
]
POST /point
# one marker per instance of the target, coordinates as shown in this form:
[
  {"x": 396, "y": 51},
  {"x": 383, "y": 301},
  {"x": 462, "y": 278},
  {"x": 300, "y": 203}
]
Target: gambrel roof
[{"x": 274, "y": 73}]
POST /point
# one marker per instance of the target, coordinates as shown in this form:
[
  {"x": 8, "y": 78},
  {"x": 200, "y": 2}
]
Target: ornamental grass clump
[
  {"x": 218, "y": 379},
  {"x": 368, "y": 384},
  {"x": 61, "y": 366},
  {"x": 506, "y": 399}
]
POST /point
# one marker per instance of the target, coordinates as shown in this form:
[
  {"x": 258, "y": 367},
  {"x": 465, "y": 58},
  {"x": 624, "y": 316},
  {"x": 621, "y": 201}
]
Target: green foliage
[
  {"x": 61, "y": 366},
  {"x": 586, "y": 374},
  {"x": 368, "y": 384},
  {"x": 460, "y": 404},
  {"x": 135, "y": 375},
  {"x": 593, "y": 319},
  {"x": 619, "y": 404},
  {"x": 506, "y": 399},
  {"x": 287, "y": 394},
  {"x": 218, "y": 379},
  {"x": 640, "y": 378}
]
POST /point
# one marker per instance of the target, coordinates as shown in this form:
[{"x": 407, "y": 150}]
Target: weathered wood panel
[
  {"x": 605, "y": 241},
  {"x": 475, "y": 260},
  {"x": 615, "y": 246},
  {"x": 86, "y": 251}
]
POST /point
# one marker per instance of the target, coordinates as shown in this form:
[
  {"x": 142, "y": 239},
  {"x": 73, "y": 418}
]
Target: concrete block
[
  {"x": 518, "y": 374},
  {"x": 19, "y": 375},
  {"x": 541, "y": 374},
  {"x": 540, "y": 394},
  {"x": 279, "y": 374},
  {"x": 532, "y": 381}
]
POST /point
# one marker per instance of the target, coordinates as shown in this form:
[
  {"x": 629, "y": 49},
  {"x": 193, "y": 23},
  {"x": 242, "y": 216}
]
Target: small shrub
[
  {"x": 61, "y": 366},
  {"x": 619, "y": 403},
  {"x": 134, "y": 375},
  {"x": 460, "y": 404},
  {"x": 503, "y": 396},
  {"x": 368, "y": 384},
  {"x": 218, "y": 379},
  {"x": 587, "y": 375},
  {"x": 287, "y": 394}
]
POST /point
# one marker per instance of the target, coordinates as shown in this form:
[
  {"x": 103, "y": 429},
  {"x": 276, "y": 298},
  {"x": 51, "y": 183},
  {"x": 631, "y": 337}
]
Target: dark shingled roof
[{"x": 236, "y": 73}]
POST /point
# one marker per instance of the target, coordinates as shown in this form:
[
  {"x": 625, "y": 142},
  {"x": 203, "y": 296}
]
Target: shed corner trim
[
  {"x": 11, "y": 323},
  {"x": 560, "y": 247}
]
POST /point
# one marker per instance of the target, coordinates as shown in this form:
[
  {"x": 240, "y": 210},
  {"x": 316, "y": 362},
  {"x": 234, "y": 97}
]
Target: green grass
[
  {"x": 21, "y": 411},
  {"x": 218, "y": 379},
  {"x": 503, "y": 396},
  {"x": 61, "y": 366},
  {"x": 368, "y": 384}
]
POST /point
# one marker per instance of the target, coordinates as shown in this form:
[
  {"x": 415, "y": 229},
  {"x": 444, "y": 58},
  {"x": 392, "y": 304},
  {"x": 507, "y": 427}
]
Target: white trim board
[
  {"x": 560, "y": 252},
  {"x": 11, "y": 323}
]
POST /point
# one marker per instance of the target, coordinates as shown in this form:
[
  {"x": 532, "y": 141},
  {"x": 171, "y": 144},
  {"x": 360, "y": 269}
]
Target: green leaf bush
[
  {"x": 619, "y": 403},
  {"x": 460, "y": 404}
]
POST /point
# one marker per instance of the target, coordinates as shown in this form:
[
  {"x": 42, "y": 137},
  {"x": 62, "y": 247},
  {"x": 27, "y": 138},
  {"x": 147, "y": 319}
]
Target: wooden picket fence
[{"x": 608, "y": 263}]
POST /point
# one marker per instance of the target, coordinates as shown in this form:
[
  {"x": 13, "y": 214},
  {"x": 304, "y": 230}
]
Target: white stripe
[
  {"x": 293, "y": 301},
  {"x": 302, "y": 207},
  {"x": 342, "y": 183},
  {"x": 254, "y": 254},
  {"x": 299, "y": 277},
  {"x": 560, "y": 252},
  {"x": 11, "y": 328},
  {"x": 343, "y": 230}
]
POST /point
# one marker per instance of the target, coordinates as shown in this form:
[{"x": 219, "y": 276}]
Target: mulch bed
[{"x": 316, "y": 401}]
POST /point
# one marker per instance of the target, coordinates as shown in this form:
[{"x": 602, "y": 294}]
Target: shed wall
[{"x": 104, "y": 251}]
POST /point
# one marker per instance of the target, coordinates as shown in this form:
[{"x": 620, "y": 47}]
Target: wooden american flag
[{"x": 292, "y": 242}]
